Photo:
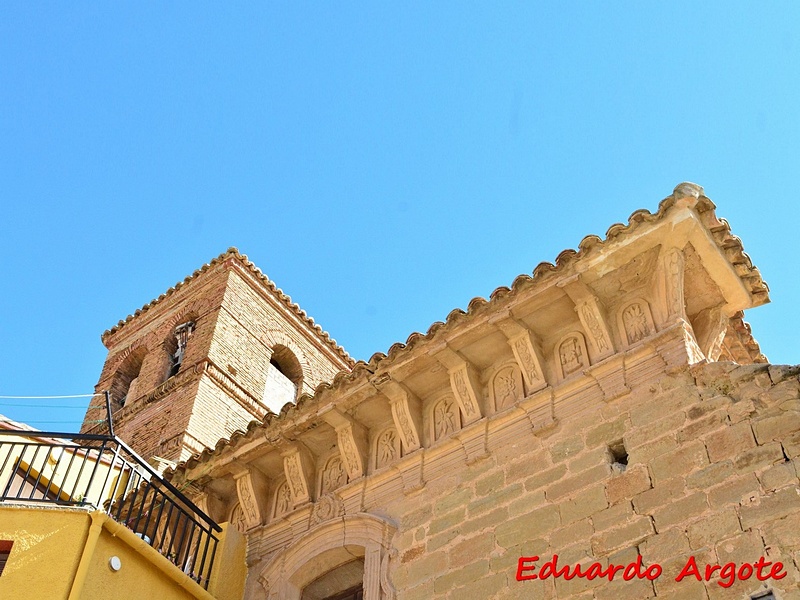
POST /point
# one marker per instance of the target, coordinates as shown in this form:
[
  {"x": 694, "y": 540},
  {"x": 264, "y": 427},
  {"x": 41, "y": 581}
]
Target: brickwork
[{"x": 238, "y": 321}]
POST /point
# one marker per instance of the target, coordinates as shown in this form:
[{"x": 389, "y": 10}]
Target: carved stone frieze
[
  {"x": 463, "y": 382},
  {"x": 529, "y": 360},
  {"x": 672, "y": 281}
]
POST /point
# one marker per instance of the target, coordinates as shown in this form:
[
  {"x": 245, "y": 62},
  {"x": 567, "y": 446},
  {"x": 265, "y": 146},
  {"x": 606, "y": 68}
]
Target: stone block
[
  {"x": 527, "y": 527},
  {"x": 569, "y": 485},
  {"x": 607, "y": 433},
  {"x": 734, "y": 491},
  {"x": 470, "y": 550},
  {"x": 545, "y": 477},
  {"x": 664, "y": 545},
  {"x": 778, "y": 476},
  {"x": 759, "y": 457},
  {"x": 626, "y": 485},
  {"x": 564, "y": 449},
  {"x": 584, "y": 504},
  {"x": 710, "y": 476},
  {"x": 769, "y": 508},
  {"x": 712, "y": 528},
  {"x": 777, "y": 427},
  {"x": 613, "y": 516},
  {"x": 629, "y": 534},
  {"x": 679, "y": 462},
  {"x": 729, "y": 441},
  {"x": 661, "y": 494},
  {"x": 681, "y": 510}
]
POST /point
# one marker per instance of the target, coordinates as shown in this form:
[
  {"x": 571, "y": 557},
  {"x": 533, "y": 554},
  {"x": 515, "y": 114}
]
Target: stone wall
[{"x": 712, "y": 472}]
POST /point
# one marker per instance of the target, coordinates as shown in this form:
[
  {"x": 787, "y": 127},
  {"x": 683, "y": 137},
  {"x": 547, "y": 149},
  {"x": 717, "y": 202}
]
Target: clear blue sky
[{"x": 382, "y": 164}]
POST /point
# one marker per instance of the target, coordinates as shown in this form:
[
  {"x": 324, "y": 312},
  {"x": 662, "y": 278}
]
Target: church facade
[{"x": 604, "y": 428}]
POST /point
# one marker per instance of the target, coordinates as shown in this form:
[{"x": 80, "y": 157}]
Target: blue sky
[{"x": 382, "y": 164}]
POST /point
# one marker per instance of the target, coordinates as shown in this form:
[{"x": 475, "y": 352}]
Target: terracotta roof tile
[{"x": 589, "y": 245}]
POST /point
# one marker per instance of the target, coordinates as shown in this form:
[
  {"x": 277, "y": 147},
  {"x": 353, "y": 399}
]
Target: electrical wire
[{"x": 49, "y": 397}]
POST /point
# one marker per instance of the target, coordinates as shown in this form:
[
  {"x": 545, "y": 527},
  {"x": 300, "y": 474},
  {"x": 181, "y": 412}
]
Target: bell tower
[{"x": 218, "y": 350}]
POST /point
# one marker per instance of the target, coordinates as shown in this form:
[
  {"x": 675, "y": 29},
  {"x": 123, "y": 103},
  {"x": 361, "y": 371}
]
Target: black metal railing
[{"x": 102, "y": 472}]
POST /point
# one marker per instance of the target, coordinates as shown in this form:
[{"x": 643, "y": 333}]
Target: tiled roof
[
  {"x": 729, "y": 244},
  {"x": 260, "y": 276}
]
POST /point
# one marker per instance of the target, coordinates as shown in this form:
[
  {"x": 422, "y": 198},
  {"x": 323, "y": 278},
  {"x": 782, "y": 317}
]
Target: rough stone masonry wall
[{"x": 713, "y": 462}]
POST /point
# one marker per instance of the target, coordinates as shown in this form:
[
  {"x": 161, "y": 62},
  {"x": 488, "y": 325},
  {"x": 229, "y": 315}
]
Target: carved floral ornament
[
  {"x": 283, "y": 500},
  {"x": 387, "y": 448},
  {"x": 507, "y": 387},
  {"x": 333, "y": 475},
  {"x": 636, "y": 321},
  {"x": 445, "y": 418}
]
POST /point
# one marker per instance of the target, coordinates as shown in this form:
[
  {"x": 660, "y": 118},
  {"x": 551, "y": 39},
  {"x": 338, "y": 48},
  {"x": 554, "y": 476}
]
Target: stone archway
[{"x": 330, "y": 546}]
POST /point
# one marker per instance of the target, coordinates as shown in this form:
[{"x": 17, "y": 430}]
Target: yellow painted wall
[
  {"x": 47, "y": 547},
  {"x": 137, "y": 579},
  {"x": 51, "y": 544}
]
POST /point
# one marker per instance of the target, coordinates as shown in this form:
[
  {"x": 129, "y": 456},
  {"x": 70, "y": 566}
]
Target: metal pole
[{"x": 108, "y": 411}]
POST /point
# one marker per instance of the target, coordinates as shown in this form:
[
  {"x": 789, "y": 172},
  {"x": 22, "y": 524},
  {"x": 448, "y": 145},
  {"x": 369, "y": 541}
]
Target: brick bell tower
[{"x": 220, "y": 349}]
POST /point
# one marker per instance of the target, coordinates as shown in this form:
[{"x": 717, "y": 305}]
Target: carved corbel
[
  {"x": 296, "y": 466},
  {"x": 526, "y": 351},
  {"x": 671, "y": 284},
  {"x": 250, "y": 486},
  {"x": 592, "y": 316},
  {"x": 211, "y": 505},
  {"x": 406, "y": 413},
  {"x": 464, "y": 383},
  {"x": 710, "y": 327},
  {"x": 351, "y": 441}
]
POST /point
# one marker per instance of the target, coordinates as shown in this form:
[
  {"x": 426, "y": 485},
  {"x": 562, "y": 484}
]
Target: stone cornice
[{"x": 684, "y": 217}]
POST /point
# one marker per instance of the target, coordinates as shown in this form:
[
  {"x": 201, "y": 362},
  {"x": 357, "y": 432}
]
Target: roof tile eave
[
  {"x": 234, "y": 253},
  {"x": 589, "y": 244}
]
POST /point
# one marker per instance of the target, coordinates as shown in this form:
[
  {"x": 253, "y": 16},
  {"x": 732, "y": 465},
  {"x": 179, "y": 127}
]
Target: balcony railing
[{"x": 103, "y": 473}]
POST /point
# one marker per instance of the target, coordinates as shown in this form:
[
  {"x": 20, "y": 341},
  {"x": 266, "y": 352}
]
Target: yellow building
[{"x": 82, "y": 517}]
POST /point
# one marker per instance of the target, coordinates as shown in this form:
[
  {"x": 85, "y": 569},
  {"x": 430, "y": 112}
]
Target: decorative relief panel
[
  {"x": 282, "y": 503},
  {"x": 326, "y": 508},
  {"x": 247, "y": 500},
  {"x": 333, "y": 476},
  {"x": 348, "y": 451},
  {"x": 529, "y": 361},
  {"x": 636, "y": 321},
  {"x": 237, "y": 519},
  {"x": 293, "y": 467},
  {"x": 465, "y": 393},
  {"x": 572, "y": 355},
  {"x": 387, "y": 448},
  {"x": 673, "y": 265},
  {"x": 405, "y": 425},
  {"x": 591, "y": 316},
  {"x": 445, "y": 418},
  {"x": 506, "y": 387}
]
